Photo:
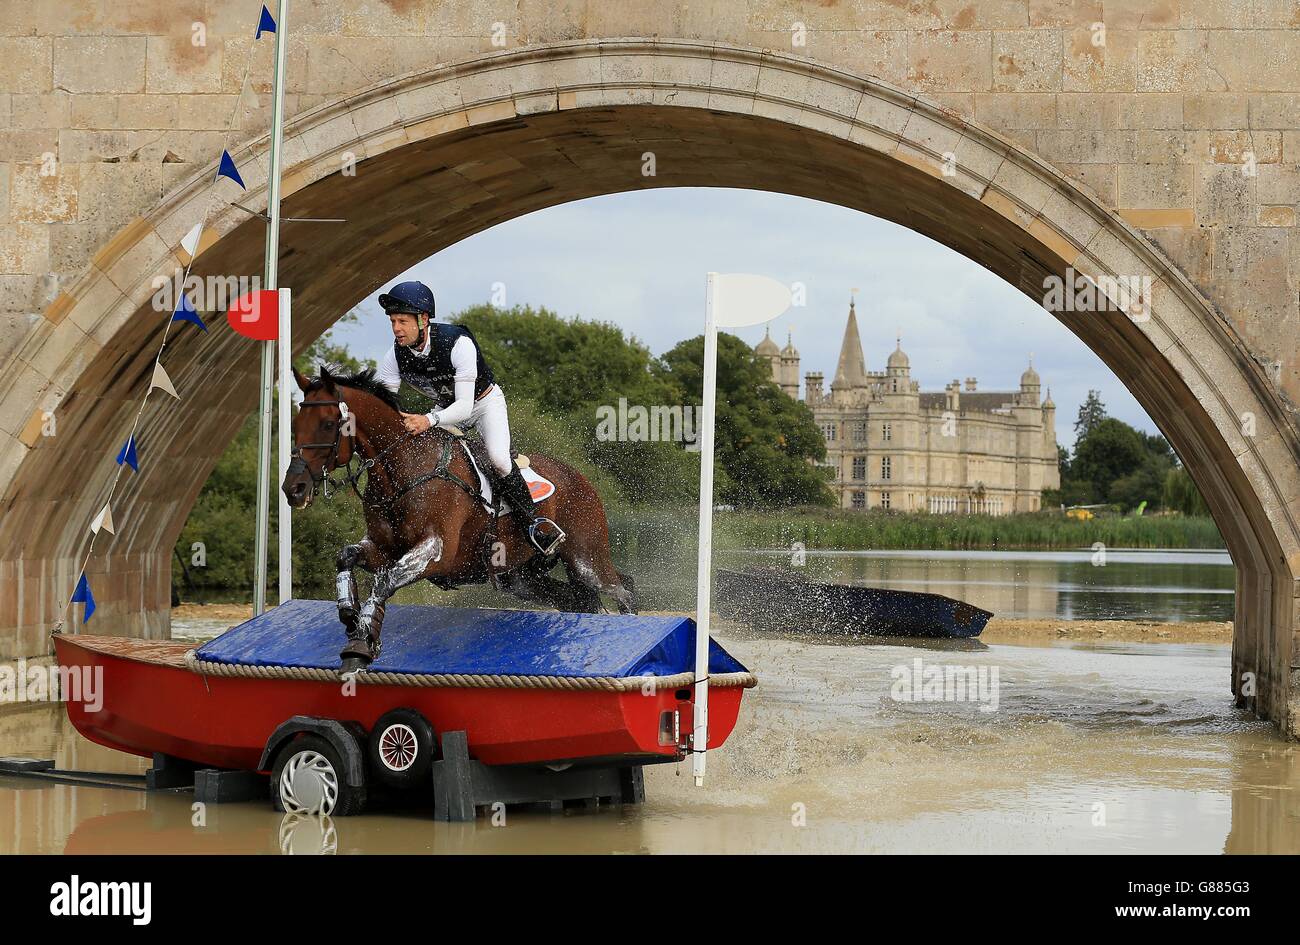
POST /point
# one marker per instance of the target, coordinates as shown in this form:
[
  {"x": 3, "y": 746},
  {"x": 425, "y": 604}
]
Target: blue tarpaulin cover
[{"x": 422, "y": 639}]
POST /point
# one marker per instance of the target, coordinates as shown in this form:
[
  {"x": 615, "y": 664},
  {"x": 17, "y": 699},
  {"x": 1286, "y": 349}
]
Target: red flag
[{"x": 256, "y": 315}]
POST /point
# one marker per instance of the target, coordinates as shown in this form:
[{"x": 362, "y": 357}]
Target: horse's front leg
[
  {"x": 389, "y": 579},
  {"x": 362, "y": 554}
]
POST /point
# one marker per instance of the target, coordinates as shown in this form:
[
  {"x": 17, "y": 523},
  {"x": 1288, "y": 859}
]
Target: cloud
[{"x": 639, "y": 260}]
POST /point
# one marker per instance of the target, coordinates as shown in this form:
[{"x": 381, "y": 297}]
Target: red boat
[{"x": 527, "y": 689}]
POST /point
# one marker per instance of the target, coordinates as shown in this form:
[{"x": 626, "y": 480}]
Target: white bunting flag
[
  {"x": 162, "y": 381},
  {"x": 191, "y": 242},
  {"x": 104, "y": 520}
]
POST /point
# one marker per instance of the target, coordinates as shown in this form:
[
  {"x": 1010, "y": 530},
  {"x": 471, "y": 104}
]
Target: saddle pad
[
  {"x": 539, "y": 486},
  {"x": 424, "y": 639}
]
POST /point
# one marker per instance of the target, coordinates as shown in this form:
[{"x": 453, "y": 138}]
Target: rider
[{"x": 444, "y": 362}]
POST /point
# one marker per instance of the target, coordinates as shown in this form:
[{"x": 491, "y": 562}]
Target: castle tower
[
  {"x": 769, "y": 352},
  {"x": 1049, "y": 425},
  {"x": 898, "y": 369},
  {"x": 813, "y": 393},
  {"x": 788, "y": 378},
  {"x": 1029, "y": 385},
  {"x": 851, "y": 373}
]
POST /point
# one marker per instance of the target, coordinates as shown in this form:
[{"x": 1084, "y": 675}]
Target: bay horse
[{"x": 425, "y": 518}]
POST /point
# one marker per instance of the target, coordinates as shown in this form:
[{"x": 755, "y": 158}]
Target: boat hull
[
  {"x": 784, "y": 602},
  {"x": 151, "y": 702}
]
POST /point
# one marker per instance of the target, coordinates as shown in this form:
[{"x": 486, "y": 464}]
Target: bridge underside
[{"x": 409, "y": 201}]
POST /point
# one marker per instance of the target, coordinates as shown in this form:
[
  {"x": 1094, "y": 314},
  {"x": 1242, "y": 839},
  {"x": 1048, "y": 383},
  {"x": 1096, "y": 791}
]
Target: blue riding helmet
[{"x": 408, "y": 298}]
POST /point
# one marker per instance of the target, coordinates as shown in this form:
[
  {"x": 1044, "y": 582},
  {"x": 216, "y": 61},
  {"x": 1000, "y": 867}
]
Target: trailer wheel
[
  {"x": 401, "y": 748},
  {"x": 308, "y": 779}
]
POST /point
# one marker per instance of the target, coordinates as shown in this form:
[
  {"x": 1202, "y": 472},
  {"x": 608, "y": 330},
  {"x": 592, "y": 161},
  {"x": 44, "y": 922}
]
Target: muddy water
[{"x": 1092, "y": 748}]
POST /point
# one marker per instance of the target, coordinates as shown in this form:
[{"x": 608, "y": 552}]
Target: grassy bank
[
  {"x": 662, "y": 540},
  {"x": 833, "y": 528}
]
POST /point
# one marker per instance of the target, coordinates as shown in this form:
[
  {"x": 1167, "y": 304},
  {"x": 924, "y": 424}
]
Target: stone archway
[{"x": 448, "y": 153}]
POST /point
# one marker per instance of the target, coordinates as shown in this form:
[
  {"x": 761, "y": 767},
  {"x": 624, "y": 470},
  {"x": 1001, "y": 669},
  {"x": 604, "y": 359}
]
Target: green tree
[
  {"x": 1056, "y": 497},
  {"x": 327, "y": 349},
  {"x": 765, "y": 439},
  {"x": 572, "y": 370},
  {"x": 1144, "y": 484},
  {"x": 1181, "y": 495},
  {"x": 563, "y": 364},
  {"x": 1091, "y": 412},
  {"x": 1110, "y": 451}
]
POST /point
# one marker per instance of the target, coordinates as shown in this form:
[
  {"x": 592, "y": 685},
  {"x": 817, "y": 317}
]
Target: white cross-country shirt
[{"x": 464, "y": 359}]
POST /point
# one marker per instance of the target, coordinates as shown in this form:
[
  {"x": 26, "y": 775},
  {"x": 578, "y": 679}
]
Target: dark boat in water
[{"x": 780, "y": 600}]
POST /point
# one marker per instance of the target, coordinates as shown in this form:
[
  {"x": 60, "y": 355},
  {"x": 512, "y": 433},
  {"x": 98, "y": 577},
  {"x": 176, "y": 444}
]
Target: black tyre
[
  {"x": 400, "y": 749},
  {"x": 308, "y": 778}
]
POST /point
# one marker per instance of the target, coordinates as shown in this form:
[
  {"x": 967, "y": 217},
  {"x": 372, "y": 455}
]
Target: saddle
[
  {"x": 478, "y": 449},
  {"x": 538, "y": 486}
]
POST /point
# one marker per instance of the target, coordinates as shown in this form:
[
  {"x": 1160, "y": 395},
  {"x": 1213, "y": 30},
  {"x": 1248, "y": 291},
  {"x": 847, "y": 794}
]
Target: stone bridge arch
[{"x": 445, "y": 153}]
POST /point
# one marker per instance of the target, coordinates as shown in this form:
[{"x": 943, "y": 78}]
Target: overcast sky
[{"x": 639, "y": 260}]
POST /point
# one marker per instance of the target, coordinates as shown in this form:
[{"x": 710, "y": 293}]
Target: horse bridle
[{"x": 322, "y": 485}]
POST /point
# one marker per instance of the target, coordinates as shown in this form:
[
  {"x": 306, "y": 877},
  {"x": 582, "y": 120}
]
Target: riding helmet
[{"x": 408, "y": 298}]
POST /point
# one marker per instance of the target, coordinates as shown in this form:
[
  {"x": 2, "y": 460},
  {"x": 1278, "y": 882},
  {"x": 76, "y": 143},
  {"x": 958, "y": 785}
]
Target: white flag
[
  {"x": 191, "y": 241},
  {"x": 745, "y": 299},
  {"x": 162, "y": 381},
  {"x": 103, "y": 520}
]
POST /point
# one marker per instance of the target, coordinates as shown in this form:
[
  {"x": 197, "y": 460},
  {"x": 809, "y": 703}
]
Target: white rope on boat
[{"x": 469, "y": 681}]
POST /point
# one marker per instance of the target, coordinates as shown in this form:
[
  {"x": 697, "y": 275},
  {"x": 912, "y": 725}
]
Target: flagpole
[
  {"x": 704, "y": 563},
  {"x": 284, "y": 348},
  {"x": 268, "y": 347}
]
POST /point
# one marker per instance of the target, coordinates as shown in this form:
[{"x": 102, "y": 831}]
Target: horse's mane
[{"x": 361, "y": 380}]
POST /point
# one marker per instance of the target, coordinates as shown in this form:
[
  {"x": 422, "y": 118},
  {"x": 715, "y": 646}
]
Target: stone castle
[{"x": 893, "y": 446}]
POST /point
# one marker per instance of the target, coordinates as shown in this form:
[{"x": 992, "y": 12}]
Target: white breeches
[{"x": 489, "y": 416}]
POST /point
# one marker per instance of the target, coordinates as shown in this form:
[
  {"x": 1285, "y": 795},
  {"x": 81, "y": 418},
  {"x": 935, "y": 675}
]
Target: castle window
[
  {"x": 884, "y": 467},
  {"x": 886, "y": 433},
  {"x": 859, "y": 500},
  {"x": 828, "y": 431},
  {"x": 884, "y": 500},
  {"x": 859, "y": 431},
  {"x": 859, "y": 467}
]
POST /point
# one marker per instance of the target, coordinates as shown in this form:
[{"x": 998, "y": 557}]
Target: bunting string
[{"x": 184, "y": 311}]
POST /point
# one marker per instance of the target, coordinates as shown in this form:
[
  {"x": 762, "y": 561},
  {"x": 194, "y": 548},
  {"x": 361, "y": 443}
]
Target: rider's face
[{"x": 406, "y": 328}]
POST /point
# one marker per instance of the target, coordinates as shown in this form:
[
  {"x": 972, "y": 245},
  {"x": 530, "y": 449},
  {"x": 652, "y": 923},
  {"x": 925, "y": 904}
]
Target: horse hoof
[{"x": 351, "y": 666}]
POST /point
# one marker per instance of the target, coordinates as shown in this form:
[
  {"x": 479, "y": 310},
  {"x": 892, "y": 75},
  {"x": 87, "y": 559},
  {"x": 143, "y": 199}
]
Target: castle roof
[
  {"x": 984, "y": 401},
  {"x": 897, "y": 359},
  {"x": 852, "y": 369},
  {"x": 1030, "y": 377},
  {"x": 767, "y": 347}
]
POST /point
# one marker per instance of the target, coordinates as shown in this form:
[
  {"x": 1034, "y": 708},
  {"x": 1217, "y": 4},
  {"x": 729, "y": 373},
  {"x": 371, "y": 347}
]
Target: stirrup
[{"x": 548, "y": 549}]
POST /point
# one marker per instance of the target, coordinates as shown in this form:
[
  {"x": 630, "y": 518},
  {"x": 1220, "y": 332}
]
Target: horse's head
[{"x": 322, "y": 438}]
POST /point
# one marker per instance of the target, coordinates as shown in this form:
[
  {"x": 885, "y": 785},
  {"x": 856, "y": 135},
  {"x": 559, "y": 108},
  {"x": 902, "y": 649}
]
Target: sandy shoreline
[
  {"x": 999, "y": 630},
  {"x": 1008, "y": 630}
]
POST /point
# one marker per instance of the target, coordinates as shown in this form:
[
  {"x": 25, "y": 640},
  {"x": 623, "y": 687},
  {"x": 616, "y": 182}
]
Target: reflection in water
[
  {"x": 306, "y": 835},
  {"x": 1176, "y": 586},
  {"x": 1093, "y": 748}
]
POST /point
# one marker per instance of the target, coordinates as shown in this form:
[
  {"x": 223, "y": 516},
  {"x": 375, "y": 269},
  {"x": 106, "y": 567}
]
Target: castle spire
[{"x": 852, "y": 369}]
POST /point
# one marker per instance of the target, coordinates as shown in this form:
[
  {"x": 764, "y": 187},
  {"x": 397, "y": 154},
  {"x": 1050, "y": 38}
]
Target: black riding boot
[{"x": 543, "y": 533}]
